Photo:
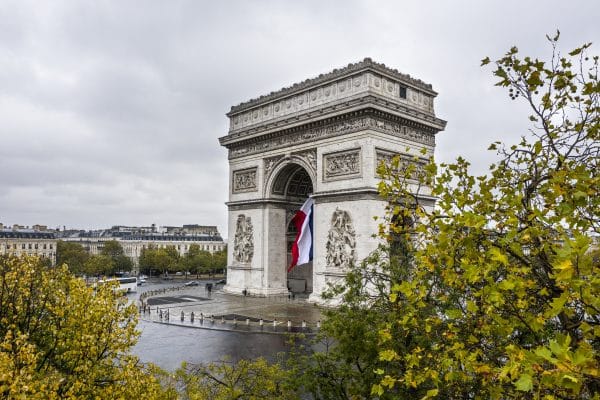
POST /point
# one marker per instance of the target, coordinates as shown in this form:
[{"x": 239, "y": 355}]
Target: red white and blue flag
[{"x": 302, "y": 249}]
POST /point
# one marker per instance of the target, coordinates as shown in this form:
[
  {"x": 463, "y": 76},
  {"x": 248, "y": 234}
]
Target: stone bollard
[
  {"x": 274, "y": 323},
  {"x": 319, "y": 324},
  {"x": 222, "y": 319},
  {"x": 261, "y": 323},
  {"x": 182, "y": 316},
  {"x": 234, "y": 321},
  {"x": 212, "y": 319},
  {"x": 289, "y": 325},
  {"x": 303, "y": 324},
  {"x": 192, "y": 317},
  {"x": 247, "y": 321}
]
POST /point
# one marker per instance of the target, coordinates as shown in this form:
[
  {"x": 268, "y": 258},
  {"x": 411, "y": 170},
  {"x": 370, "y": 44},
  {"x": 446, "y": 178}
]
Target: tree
[
  {"x": 196, "y": 260},
  {"x": 120, "y": 261},
  {"x": 62, "y": 339},
  {"x": 219, "y": 260},
  {"x": 502, "y": 298},
  {"x": 72, "y": 254},
  {"x": 100, "y": 265},
  {"x": 163, "y": 259},
  {"x": 146, "y": 261},
  {"x": 244, "y": 380}
]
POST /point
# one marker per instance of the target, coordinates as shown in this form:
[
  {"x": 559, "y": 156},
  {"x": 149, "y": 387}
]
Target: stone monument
[{"x": 324, "y": 138}]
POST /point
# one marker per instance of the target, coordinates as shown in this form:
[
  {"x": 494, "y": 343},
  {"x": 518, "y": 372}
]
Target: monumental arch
[{"x": 324, "y": 138}]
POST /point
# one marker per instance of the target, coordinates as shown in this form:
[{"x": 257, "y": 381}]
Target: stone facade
[
  {"x": 322, "y": 137},
  {"x": 31, "y": 242}
]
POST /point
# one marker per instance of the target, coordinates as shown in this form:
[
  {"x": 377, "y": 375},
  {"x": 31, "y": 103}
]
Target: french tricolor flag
[{"x": 302, "y": 249}]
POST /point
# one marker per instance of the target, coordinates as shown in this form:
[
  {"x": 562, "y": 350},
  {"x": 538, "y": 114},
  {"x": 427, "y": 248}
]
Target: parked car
[
  {"x": 221, "y": 282},
  {"x": 192, "y": 283}
]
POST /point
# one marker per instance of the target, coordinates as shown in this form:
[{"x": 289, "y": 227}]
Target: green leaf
[
  {"x": 430, "y": 394},
  {"x": 525, "y": 383},
  {"x": 575, "y": 52},
  {"x": 497, "y": 255}
]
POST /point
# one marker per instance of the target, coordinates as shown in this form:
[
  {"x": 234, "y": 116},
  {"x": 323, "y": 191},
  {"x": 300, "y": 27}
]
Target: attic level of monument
[
  {"x": 336, "y": 74},
  {"x": 356, "y": 87}
]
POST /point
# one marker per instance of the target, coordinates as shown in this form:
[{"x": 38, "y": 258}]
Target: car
[
  {"x": 221, "y": 282},
  {"x": 192, "y": 283}
]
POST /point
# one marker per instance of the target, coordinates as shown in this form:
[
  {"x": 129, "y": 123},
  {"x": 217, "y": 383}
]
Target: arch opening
[{"x": 293, "y": 184}]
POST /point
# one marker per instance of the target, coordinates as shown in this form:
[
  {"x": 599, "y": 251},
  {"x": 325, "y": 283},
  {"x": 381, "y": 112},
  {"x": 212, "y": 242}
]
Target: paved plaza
[{"x": 220, "y": 311}]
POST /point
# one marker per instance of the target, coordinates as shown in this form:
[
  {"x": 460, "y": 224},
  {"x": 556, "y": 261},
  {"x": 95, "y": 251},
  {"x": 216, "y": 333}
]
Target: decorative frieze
[
  {"x": 384, "y": 156},
  {"x": 337, "y": 128},
  {"x": 244, "y": 180},
  {"x": 341, "y": 165},
  {"x": 243, "y": 243},
  {"x": 341, "y": 241}
]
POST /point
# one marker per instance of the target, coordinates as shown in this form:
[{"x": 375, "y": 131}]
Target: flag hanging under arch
[{"x": 302, "y": 249}]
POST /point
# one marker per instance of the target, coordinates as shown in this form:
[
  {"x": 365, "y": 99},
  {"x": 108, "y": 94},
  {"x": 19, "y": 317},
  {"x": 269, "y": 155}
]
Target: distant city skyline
[{"x": 110, "y": 112}]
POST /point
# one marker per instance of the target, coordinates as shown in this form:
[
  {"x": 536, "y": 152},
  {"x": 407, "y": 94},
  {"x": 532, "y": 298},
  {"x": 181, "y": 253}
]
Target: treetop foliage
[
  {"x": 502, "y": 299},
  {"x": 62, "y": 339}
]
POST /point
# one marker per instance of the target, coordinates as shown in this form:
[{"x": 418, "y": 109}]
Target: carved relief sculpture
[
  {"x": 270, "y": 163},
  {"x": 342, "y": 165},
  {"x": 341, "y": 241},
  {"x": 405, "y": 161},
  {"x": 243, "y": 244},
  {"x": 310, "y": 156},
  {"x": 244, "y": 180}
]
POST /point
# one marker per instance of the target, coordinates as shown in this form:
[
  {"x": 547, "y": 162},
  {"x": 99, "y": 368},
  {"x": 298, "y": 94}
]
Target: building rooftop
[{"x": 26, "y": 234}]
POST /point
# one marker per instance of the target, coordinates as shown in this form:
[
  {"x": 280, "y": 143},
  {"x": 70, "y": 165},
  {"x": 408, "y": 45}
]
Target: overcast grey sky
[{"x": 110, "y": 111}]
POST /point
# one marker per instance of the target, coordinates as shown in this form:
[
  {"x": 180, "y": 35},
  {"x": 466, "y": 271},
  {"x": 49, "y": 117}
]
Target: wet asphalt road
[{"x": 169, "y": 345}]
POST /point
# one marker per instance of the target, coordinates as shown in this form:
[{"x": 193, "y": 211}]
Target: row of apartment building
[
  {"x": 28, "y": 241},
  {"x": 41, "y": 241}
]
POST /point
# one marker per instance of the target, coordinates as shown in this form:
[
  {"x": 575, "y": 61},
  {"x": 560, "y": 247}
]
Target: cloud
[{"x": 110, "y": 112}]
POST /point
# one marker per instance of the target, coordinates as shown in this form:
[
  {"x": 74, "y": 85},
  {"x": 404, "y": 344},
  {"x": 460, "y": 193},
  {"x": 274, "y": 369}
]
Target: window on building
[
  {"x": 50, "y": 246},
  {"x": 23, "y": 246},
  {"x": 35, "y": 246},
  {"x": 44, "y": 246},
  {"x": 402, "y": 92}
]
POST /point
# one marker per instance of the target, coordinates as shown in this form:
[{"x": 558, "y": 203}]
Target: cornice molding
[
  {"x": 362, "y": 120},
  {"x": 333, "y": 111}
]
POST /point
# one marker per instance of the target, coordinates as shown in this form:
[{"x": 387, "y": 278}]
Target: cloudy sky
[{"x": 110, "y": 111}]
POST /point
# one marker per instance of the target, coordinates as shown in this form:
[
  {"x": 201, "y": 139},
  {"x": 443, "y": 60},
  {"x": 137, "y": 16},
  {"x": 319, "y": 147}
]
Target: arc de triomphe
[{"x": 322, "y": 137}]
